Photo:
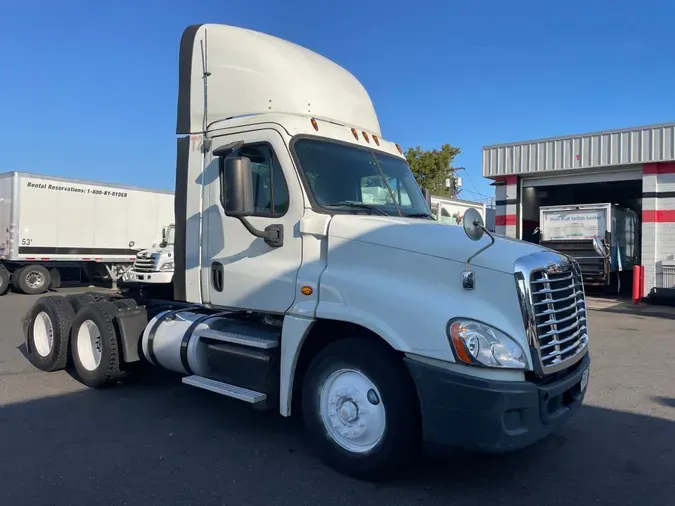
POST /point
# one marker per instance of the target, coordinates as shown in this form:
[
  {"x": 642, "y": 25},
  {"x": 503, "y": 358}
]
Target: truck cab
[
  {"x": 155, "y": 265},
  {"x": 311, "y": 278}
]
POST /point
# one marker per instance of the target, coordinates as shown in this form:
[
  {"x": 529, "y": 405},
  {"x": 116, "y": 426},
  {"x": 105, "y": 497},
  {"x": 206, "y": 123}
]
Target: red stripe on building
[
  {"x": 661, "y": 216},
  {"x": 505, "y": 220},
  {"x": 507, "y": 179},
  {"x": 659, "y": 168}
]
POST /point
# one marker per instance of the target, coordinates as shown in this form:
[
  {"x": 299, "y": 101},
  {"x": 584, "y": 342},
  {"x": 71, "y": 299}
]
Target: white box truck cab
[
  {"x": 155, "y": 265},
  {"x": 293, "y": 292}
]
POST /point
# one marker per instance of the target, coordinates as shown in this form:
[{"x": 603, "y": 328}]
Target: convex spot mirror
[
  {"x": 599, "y": 246},
  {"x": 237, "y": 187},
  {"x": 473, "y": 224}
]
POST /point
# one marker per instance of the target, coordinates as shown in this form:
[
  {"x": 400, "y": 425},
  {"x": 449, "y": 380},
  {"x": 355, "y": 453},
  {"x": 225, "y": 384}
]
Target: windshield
[
  {"x": 170, "y": 235},
  {"x": 343, "y": 178}
]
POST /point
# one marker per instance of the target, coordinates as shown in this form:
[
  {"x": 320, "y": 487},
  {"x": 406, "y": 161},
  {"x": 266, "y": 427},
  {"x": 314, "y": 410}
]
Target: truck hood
[{"x": 431, "y": 238}]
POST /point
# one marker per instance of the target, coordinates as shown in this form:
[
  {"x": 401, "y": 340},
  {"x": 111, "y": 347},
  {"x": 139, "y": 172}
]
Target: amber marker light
[{"x": 306, "y": 290}]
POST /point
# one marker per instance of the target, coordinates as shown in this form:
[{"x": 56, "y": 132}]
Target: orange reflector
[
  {"x": 462, "y": 353},
  {"x": 315, "y": 124},
  {"x": 376, "y": 139},
  {"x": 399, "y": 148},
  {"x": 365, "y": 136},
  {"x": 356, "y": 136},
  {"x": 306, "y": 290}
]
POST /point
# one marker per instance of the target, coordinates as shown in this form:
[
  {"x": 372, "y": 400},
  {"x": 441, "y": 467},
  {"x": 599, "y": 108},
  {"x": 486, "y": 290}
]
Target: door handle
[{"x": 217, "y": 275}]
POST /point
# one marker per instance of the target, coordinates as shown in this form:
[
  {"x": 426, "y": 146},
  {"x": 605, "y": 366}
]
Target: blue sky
[{"x": 89, "y": 91}]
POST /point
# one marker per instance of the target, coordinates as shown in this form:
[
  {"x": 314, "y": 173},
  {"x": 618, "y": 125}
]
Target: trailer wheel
[
  {"x": 33, "y": 279},
  {"x": 48, "y": 332},
  {"x": 95, "y": 345},
  {"x": 55, "y": 279},
  {"x": 361, "y": 410},
  {"x": 4, "y": 279}
]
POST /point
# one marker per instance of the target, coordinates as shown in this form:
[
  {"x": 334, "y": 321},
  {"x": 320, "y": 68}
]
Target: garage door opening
[{"x": 611, "y": 207}]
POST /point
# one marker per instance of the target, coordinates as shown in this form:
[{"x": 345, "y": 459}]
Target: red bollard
[
  {"x": 642, "y": 282},
  {"x": 636, "y": 283}
]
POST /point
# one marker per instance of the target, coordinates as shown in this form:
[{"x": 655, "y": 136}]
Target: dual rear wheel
[{"x": 80, "y": 328}]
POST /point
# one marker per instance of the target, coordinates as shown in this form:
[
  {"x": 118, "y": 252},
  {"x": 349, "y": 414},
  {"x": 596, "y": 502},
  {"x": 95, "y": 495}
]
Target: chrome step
[
  {"x": 243, "y": 394},
  {"x": 264, "y": 343}
]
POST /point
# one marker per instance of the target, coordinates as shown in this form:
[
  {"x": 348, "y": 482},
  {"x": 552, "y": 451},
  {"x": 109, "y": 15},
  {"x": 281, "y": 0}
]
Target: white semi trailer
[
  {"x": 51, "y": 224},
  {"x": 381, "y": 326}
]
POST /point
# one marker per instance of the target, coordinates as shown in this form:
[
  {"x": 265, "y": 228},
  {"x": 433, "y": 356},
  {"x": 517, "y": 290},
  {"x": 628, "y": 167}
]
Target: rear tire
[
  {"x": 125, "y": 303},
  {"x": 55, "y": 282},
  {"x": 361, "y": 410},
  {"x": 33, "y": 279},
  {"x": 48, "y": 333},
  {"x": 4, "y": 279},
  {"x": 95, "y": 346},
  {"x": 78, "y": 300}
]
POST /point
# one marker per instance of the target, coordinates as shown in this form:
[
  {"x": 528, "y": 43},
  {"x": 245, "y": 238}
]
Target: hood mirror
[
  {"x": 599, "y": 247},
  {"x": 474, "y": 227}
]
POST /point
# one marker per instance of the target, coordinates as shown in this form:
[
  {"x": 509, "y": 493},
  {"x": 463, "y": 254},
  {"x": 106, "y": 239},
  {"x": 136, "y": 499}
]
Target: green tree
[{"x": 432, "y": 167}]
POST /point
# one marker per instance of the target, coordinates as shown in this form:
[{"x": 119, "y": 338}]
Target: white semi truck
[
  {"x": 52, "y": 226},
  {"x": 382, "y": 327},
  {"x": 155, "y": 265}
]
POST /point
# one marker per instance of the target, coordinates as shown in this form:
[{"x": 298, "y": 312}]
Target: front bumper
[
  {"x": 156, "y": 277},
  {"x": 493, "y": 416}
]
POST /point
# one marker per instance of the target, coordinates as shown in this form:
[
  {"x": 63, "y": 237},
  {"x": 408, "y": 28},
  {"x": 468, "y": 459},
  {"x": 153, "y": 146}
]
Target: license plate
[{"x": 584, "y": 379}]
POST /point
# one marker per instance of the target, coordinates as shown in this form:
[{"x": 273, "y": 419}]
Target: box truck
[
  {"x": 49, "y": 225},
  {"x": 296, "y": 291},
  {"x": 602, "y": 238}
]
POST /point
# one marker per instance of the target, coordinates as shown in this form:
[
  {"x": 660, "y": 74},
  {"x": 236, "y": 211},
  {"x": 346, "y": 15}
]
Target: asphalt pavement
[{"x": 158, "y": 442}]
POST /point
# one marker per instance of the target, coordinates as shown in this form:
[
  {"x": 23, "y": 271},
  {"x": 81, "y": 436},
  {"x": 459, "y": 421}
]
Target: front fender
[{"x": 407, "y": 298}]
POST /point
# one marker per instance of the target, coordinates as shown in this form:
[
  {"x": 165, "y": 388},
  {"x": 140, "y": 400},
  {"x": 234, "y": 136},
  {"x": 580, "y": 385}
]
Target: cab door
[{"x": 239, "y": 269}]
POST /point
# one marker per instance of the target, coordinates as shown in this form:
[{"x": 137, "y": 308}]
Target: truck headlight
[
  {"x": 478, "y": 344},
  {"x": 168, "y": 266}
]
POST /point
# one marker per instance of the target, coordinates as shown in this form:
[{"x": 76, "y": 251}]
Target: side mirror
[
  {"x": 163, "y": 244},
  {"x": 474, "y": 227},
  {"x": 236, "y": 190},
  {"x": 599, "y": 247}
]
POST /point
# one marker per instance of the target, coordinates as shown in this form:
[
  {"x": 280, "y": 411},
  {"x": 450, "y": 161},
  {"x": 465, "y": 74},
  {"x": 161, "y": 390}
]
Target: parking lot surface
[{"x": 158, "y": 442}]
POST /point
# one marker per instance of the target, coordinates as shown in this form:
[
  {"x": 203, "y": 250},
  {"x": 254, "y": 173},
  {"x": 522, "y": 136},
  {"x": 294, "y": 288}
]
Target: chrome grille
[
  {"x": 560, "y": 315},
  {"x": 554, "y": 309},
  {"x": 145, "y": 263}
]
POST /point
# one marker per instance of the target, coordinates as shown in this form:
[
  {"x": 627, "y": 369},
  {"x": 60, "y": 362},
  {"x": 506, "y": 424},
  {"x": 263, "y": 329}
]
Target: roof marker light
[
  {"x": 356, "y": 135},
  {"x": 376, "y": 139},
  {"x": 365, "y": 136},
  {"x": 399, "y": 148},
  {"x": 315, "y": 124}
]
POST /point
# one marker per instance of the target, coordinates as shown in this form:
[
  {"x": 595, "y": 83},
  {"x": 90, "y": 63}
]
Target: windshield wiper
[
  {"x": 349, "y": 203},
  {"x": 420, "y": 215}
]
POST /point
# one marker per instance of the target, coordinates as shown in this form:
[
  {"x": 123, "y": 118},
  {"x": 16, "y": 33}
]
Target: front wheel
[{"x": 361, "y": 410}]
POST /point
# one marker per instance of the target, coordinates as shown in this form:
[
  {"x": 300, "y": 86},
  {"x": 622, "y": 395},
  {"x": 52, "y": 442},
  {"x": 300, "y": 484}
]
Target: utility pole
[{"x": 453, "y": 183}]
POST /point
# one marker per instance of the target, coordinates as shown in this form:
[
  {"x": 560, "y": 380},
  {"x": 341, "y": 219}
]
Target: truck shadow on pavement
[{"x": 154, "y": 441}]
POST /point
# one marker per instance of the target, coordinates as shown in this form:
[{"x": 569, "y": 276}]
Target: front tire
[
  {"x": 94, "y": 345},
  {"x": 361, "y": 410}
]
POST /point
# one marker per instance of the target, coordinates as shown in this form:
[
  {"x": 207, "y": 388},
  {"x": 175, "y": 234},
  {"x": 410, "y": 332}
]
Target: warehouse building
[{"x": 633, "y": 168}]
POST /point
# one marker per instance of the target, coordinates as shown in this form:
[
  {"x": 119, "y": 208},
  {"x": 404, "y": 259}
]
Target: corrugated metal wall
[{"x": 601, "y": 149}]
